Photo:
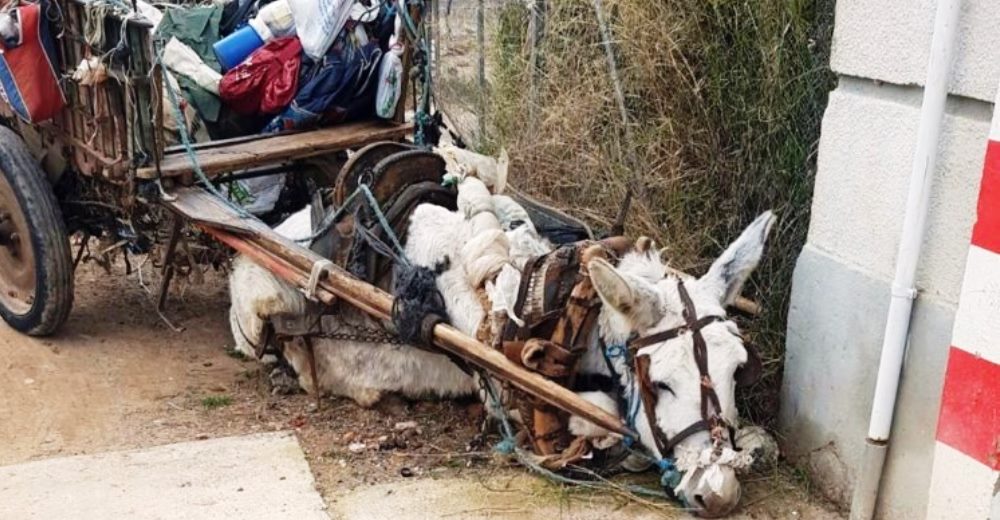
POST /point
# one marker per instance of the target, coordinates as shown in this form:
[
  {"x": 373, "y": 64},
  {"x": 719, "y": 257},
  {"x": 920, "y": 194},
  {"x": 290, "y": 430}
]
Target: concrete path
[
  {"x": 508, "y": 497},
  {"x": 247, "y": 478}
]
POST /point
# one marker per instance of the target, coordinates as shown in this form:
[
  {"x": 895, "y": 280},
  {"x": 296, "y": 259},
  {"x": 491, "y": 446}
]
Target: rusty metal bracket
[{"x": 311, "y": 352}]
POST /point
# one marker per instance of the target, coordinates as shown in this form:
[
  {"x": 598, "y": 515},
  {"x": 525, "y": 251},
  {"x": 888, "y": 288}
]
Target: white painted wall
[
  {"x": 842, "y": 280},
  {"x": 890, "y": 40}
]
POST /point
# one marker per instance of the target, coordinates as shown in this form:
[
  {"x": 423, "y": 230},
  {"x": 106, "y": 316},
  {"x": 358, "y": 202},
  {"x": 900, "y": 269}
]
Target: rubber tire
[{"x": 53, "y": 262}]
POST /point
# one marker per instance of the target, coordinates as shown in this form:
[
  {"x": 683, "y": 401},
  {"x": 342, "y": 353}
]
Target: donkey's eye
[{"x": 665, "y": 387}]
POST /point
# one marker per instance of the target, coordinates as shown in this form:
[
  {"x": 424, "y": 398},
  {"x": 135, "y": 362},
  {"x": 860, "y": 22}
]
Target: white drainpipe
[{"x": 903, "y": 287}]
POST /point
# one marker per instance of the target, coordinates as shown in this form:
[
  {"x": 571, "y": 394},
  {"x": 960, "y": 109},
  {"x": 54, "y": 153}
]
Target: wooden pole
[
  {"x": 435, "y": 38},
  {"x": 481, "y": 45},
  {"x": 536, "y": 33},
  {"x": 634, "y": 185}
]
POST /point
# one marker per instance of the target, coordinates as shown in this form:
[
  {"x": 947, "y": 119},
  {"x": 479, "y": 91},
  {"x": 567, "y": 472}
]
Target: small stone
[
  {"x": 356, "y": 447},
  {"x": 383, "y": 438},
  {"x": 29, "y": 381},
  {"x": 342, "y": 463},
  {"x": 239, "y": 490},
  {"x": 348, "y": 438},
  {"x": 406, "y": 425},
  {"x": 206, "y": 364},
  {"x": 406, "y": 472},
  {"x": 201, "y": 436},
  {"x": 391, "y": 444}
]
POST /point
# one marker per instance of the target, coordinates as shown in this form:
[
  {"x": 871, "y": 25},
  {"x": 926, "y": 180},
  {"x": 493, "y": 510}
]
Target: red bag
[
  {"x": 267, "y": 81},
  {"x": 29, "y": 78}
]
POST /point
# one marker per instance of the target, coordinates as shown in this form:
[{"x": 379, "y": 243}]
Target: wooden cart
[
  {"x": 102, "y": 168},
  {"x": 107, "y": 151}
]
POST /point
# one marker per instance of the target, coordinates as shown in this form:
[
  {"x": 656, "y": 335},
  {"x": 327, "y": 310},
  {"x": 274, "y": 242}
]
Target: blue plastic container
[{"x": 236, "y": 47}]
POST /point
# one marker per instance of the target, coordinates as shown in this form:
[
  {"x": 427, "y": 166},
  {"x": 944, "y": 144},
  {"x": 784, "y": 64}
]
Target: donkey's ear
[
  {"x": 728, "y": 274},
  {"x": 629, "y": 295}
]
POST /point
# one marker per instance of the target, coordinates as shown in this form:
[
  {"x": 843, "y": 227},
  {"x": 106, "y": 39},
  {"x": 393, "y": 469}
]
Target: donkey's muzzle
[{"x": 712, "y": 492}]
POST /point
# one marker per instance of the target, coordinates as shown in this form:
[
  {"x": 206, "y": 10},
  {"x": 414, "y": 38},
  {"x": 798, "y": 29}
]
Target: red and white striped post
[{"x": 965, "y": 481}]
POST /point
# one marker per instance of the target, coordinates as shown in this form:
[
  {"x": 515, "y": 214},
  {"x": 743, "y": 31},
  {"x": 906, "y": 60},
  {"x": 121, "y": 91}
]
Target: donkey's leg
[{"x": 256, "y": 295}]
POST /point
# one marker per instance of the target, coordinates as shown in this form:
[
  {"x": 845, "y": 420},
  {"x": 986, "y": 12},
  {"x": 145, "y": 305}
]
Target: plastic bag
[
  {"x": 274, "y": 21},
  {"x": 318, "y": 23},
  {"x": 390, "y": 83}
]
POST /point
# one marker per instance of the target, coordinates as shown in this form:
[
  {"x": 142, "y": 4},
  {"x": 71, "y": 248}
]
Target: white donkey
[{"x": 640, "y": 298}]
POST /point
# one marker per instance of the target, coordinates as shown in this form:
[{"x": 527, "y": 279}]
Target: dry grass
[{"x": 725, "y": 97}]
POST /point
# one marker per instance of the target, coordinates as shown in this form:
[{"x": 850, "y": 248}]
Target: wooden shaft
[{"x": 293, "y": 263}]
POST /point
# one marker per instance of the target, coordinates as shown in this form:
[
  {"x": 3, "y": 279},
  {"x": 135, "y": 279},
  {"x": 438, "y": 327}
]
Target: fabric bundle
[
  {"x": 266, "y": 82},
  {"x": 334, "y": 89}
]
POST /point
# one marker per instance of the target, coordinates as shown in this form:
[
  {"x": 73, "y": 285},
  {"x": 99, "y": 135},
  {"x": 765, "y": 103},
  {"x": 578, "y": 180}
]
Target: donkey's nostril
[{"x": 712, "y": 492}]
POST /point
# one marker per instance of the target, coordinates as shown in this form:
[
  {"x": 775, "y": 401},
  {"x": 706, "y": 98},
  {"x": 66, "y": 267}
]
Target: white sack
[{"x": 318, "y": 23}]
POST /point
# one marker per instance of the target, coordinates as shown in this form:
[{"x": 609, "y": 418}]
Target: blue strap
[{"x": 670, "y": 476}]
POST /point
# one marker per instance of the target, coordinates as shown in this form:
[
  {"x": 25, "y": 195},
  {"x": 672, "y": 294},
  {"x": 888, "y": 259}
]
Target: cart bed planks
[{"x": 242, "y": 153}]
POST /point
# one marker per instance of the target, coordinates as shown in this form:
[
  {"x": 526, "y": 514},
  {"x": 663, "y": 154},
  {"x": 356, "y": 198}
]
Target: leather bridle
[{"x": 711, "y": 418}]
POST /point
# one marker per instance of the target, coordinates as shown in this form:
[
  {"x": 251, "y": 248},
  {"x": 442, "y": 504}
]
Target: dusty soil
[{"x": 118, "y": 377}]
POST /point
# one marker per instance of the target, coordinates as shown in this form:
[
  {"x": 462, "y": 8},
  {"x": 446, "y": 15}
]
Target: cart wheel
[{"x": 36, "y": 271}]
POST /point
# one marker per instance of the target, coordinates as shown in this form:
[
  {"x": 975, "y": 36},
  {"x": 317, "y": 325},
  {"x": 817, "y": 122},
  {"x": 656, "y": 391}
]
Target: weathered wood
[
  {"x": 481, "y": 69},
  {"x": 407, "y": 61},
  {"x": 293, "y": 263},
  {"x": 200, "y": 207},
  {"x": 272, "y": 149}
]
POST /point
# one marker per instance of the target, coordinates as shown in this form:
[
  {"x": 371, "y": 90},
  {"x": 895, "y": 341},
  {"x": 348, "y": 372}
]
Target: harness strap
[
  {"x": 647, "y": 394},
  {"x": 261, "y": 349},
  {"x": 514, "y": 331},
  {"x": 668, "y": 335},
  {"x": 708, "y": 394},
  {"x": 711, "y": 409}
]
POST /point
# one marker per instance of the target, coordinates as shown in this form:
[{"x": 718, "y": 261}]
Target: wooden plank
[
  {"x": 293, "y": 263},
  {"x": 201, "y": 207},
  {"x": 282, "y": 147}
]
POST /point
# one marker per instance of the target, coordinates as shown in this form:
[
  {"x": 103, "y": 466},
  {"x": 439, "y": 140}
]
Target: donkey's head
[{"x": 688, "y": 359}]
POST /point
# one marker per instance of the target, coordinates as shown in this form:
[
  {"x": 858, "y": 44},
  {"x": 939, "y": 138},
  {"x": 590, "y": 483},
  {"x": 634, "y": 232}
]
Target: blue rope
[
  {"x": 670, "y": 476},
  {"x": 418, "y": 36},
  {"x": 186, "y": 141},
  {"x": 331, "y": 218},
  {"x": 620, "y": 351},
  {"x": 384, "y": 222},
  {"x": 508, "y": 446}
]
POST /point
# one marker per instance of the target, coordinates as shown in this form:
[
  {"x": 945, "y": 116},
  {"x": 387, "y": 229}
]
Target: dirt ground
[{"x": 118, "y": 377}]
